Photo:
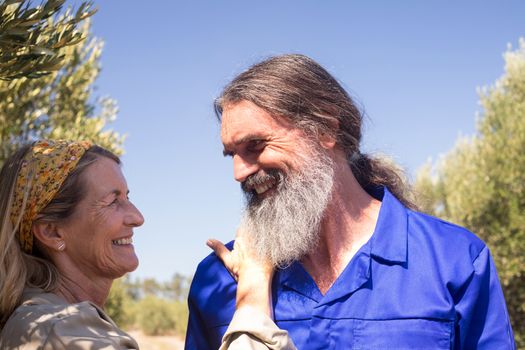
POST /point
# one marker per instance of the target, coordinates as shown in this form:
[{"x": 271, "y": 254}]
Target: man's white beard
[{"x": 286, "y": 226}]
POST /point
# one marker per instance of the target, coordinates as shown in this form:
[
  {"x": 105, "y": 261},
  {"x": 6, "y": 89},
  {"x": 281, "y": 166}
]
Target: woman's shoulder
[{"x": 49, "y": 322}]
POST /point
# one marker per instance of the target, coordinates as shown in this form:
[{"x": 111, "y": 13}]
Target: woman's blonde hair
[{"x": 18, "y": 269}]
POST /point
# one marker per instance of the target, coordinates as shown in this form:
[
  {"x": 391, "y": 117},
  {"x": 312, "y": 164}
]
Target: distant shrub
[
  {"x": 155, "y": 316},
  {"x": 180, "y": 315},
  {"x": 145, "y": 305},
  {"x": 119, "y": 306}
]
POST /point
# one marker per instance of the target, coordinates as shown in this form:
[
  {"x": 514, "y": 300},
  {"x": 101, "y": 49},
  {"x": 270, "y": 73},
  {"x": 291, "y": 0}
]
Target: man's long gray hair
[{"x": 297, "y": 88}]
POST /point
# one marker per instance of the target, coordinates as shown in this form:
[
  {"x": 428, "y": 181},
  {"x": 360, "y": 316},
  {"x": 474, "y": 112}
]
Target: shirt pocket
[{"x": 403, "y": 334}]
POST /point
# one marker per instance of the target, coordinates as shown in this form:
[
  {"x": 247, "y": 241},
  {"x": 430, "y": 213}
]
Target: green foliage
[
  {"x": 59, "y": 105},
  {"x": 481, "y": 183},
  {"x": 150, "y": 286},
  {"x": 180, "y": 314},
  {"x": 177, "y": 288},
  {"x": 155, "y": 316},
  {"x": 119, "y": 305},
  {"x": 30, "y": 39},
  {"x": 156, "y": 308}
]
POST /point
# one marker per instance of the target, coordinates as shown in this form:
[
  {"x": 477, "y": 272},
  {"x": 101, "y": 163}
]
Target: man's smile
[
  {"x": 265, "y": 186},
  {"x": 261, "y": 182}
]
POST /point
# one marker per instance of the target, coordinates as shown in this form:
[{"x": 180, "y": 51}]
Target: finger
[
  {"x": 225, "y": 255},
  {"x": 220, "y": 249}
]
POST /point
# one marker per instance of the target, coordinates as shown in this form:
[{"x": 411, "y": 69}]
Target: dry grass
[{"x": 164, "y": 342}]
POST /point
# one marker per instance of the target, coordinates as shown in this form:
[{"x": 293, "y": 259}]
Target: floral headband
[{"x": 45, "y": 167}]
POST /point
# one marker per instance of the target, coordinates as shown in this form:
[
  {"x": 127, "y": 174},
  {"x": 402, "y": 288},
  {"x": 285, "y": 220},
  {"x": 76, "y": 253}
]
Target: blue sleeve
[
  {"x": 196, "y": 337},
  {"x": 483, "y": 321},
  {"x": 211, "y": 304}
]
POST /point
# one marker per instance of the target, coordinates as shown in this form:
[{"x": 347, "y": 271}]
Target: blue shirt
[{"x": 418, "y": 283}]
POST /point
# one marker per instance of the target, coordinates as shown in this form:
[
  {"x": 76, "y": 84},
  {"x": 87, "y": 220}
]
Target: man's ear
[
  {"x": 327, "y": 141},
  {"x": 48, "y": 235},
  {"x": 327, "y": 137}
]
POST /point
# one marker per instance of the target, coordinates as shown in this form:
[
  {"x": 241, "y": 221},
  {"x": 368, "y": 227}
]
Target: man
[{"x": 357, "y": 267}]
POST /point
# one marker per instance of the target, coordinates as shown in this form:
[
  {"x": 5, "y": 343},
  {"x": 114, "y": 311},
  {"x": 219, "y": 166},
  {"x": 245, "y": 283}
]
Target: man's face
[
  {"x": 287, "y": 180},
  {"x": 260, "y": 146}
]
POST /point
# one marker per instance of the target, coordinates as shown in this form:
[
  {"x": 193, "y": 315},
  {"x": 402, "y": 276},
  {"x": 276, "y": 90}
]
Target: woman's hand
[{"x": 253, "y": 275}]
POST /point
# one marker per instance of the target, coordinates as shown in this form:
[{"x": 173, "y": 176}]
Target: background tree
[
  {"x": 60, "y": 104},
  {"x": 120, "y": 303},
  {"x": 150, "y": 286},
  {"x": 178, "y": 287},
  {"x": 481, "y": 183},
  {"x": 30, "y": 40},
  {"x": 155, "y": 316},
  {"x": 154, "y": 307}
]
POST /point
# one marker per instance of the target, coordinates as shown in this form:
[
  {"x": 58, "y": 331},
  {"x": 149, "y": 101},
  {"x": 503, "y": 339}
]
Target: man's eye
[{"x": 256, "y": 145}]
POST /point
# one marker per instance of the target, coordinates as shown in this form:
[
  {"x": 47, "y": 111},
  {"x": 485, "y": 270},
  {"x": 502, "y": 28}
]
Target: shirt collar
[
  {"x": 389, "y": 241},
  {"x": 37, "y": 296},
  {"x": 387, "y": 244},
  {"x": 295, "y": 277}
]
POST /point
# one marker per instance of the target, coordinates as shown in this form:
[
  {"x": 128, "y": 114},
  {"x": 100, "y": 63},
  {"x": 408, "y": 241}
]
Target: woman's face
[{"x": 98, "y": 235}]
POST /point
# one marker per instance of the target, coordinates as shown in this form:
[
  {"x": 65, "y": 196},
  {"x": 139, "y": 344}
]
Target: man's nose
[{"x": 242, "y": 168}]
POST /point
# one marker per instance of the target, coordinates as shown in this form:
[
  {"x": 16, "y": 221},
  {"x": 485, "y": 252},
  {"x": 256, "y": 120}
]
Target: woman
[{"x": 66, "y": 234}]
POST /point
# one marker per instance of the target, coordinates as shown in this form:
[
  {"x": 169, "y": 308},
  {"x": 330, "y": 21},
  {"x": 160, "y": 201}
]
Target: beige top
[
  {"x": 251, "y": 329},
  {"x": 45, "y": 321}
]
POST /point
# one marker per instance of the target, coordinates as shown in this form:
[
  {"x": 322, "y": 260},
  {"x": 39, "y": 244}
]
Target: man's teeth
[
  {"x": 263, "y": 188},
  {"x": 123, "y": 241}
]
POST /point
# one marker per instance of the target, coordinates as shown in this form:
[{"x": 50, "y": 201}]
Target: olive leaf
[{"x": 32, "y": 37}]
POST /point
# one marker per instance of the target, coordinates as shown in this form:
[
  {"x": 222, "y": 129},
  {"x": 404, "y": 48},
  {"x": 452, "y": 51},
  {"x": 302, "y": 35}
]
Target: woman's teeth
[{"x": 123, "y": 241}]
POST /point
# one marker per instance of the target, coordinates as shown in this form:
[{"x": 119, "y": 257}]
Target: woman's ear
[{"x": 49, "y": 235}]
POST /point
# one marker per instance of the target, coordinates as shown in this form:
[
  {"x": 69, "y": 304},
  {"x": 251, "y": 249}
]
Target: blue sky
[{"x": 413, "y": 66}]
